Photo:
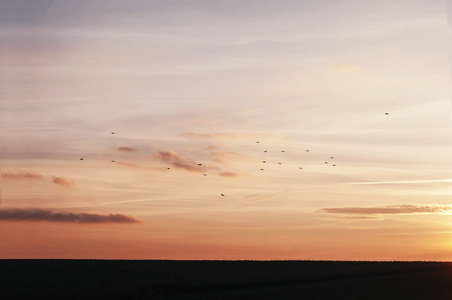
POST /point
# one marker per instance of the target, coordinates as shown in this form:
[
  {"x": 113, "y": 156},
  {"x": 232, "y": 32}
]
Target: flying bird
[
  {"x": 283, "y": 151},
  {"x": 199, "y": 164},
  {"x": 301, "y": 168},
  {"x": 257, "y": 142},
  {"x": 326, "y": 162},
  {"x": 265, "y": 150},
  {"x": 279, "y": 163},
  {"x": 81, "y": 158},
  {"x": 168, "y": 168},
  {"x": 307, "y": 150},
  {"x": 112, "y": 132},
  {"x": 264, "y": 161},
  {"x": 334, "y": 165},
  {"x": 332, "y": 157},
  {"x": 387, "y": 113},
  {"x": 112, "y": 161},
  {"x": 222, "y": 195},
  {"x": 205, "y": 174},
  {"x": 262, "y": 169}
]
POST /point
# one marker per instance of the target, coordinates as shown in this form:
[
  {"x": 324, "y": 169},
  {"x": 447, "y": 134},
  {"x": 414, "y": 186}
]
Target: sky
[{"x": 246, "y": 129}]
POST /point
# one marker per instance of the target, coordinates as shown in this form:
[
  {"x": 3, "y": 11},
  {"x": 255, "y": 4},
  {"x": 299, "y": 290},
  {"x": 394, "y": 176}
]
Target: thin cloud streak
[
  {"x": 21, "y": 175},
  {"x": 35, "y": 215},
  {"x": 126, "y": 164},
  {"x": 193, "y": 135},
  {"x": 120, "y": 202},
  {"x": 126, "y": 149},
  {"x": 223, "y": 157},
  {"x": 229, "y": 174},
  {"x": 401, "y": 182},
  {"x": 388, "y": 210}
]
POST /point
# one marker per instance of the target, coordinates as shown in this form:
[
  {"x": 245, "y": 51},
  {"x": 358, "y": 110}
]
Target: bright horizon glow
[{"x": 172, "y": 104}]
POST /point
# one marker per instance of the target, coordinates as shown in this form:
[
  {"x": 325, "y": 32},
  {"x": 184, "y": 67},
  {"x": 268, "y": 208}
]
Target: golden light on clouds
[{"x": 309, "y": 130}]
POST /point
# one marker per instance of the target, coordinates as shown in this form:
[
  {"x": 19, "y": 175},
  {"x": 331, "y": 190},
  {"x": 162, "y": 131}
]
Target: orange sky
[{"x": 201, "y": 96}]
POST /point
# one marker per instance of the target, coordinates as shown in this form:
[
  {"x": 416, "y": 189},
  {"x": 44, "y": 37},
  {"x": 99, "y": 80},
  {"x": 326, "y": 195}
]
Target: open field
[{"x": 160, "y": 279}]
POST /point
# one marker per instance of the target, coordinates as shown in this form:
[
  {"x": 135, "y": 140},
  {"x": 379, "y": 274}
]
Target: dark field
[{"x": 159, "y": 279}]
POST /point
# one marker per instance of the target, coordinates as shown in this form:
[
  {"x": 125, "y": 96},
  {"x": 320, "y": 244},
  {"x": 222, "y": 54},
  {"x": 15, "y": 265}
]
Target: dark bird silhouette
[
  {"x": 283, "y": 151},
  {"x": 387, "y": 113},
  {"x": 264, "y": 161},
  {"x": 279, "y": 163},
  {"x": 81, "y": 158},
  {"x": 257, "y": 142},
  {"x": 168, "y": 168},
  {"x": 205, "y": 174},
  {"x": 112, "y": 161},
  {"x": 307, "y": 150},
  {"x": 222, "y": 195},
  {"x": 332, "y": 157},
  {"x": 112, "y": 132},
  {"x": 326, "y": 162},
  {"x": 262, "y": 169},
  {"x": 301, "y": 168},
  {"x": 199, "y": 164},
  {"x": 265, "y": 150},
  {"x": 334, "y": 165}
]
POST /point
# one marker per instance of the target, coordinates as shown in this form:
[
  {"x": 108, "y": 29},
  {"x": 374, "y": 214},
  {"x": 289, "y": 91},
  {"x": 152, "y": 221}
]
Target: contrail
[
  {"x": 118, "y": 202},
  {"x": 400, "y": 182}
]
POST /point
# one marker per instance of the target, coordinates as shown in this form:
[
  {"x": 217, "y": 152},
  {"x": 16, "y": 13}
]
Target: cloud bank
[
  {"x": 388, "y": 210},
  {"x": 36, "y": 214}
]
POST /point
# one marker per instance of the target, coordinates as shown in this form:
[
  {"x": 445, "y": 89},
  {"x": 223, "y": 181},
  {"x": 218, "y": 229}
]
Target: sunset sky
[{"x": 228, "y": 85}]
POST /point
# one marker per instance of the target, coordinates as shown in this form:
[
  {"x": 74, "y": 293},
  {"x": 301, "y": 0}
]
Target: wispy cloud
[
  {"x": 229, "y": 174},
  {"x": 258, "y": 197},
  {"x": 126, "y": 149},
  {"x": 218, "y": 135},
  {"x": 177, "y": 161},
  {"x": 222, "y": 156},
  {"x": 63, "y": 182},
  {"x": 193, "y": 135},
  {"x": 394, "y": 209},
  {"x": 35, "y": 214},
  {"x": 21, "y": 175},
  {"x": 361, "y": 218},
  {"x": 126, "y": 164},
  {"x": 401, "y": 182}
]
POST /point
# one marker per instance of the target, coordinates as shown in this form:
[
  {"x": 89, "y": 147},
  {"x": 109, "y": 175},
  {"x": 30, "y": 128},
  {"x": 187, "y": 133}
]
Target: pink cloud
[
  {"x": 63, "y": 182},
  {"x": 177, "y": 161}
]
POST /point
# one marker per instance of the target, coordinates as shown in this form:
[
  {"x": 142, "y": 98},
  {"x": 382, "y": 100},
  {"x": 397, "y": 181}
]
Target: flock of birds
[
  {"x": 279, "y": 163},
  {"x": 264, "y": 161}
]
